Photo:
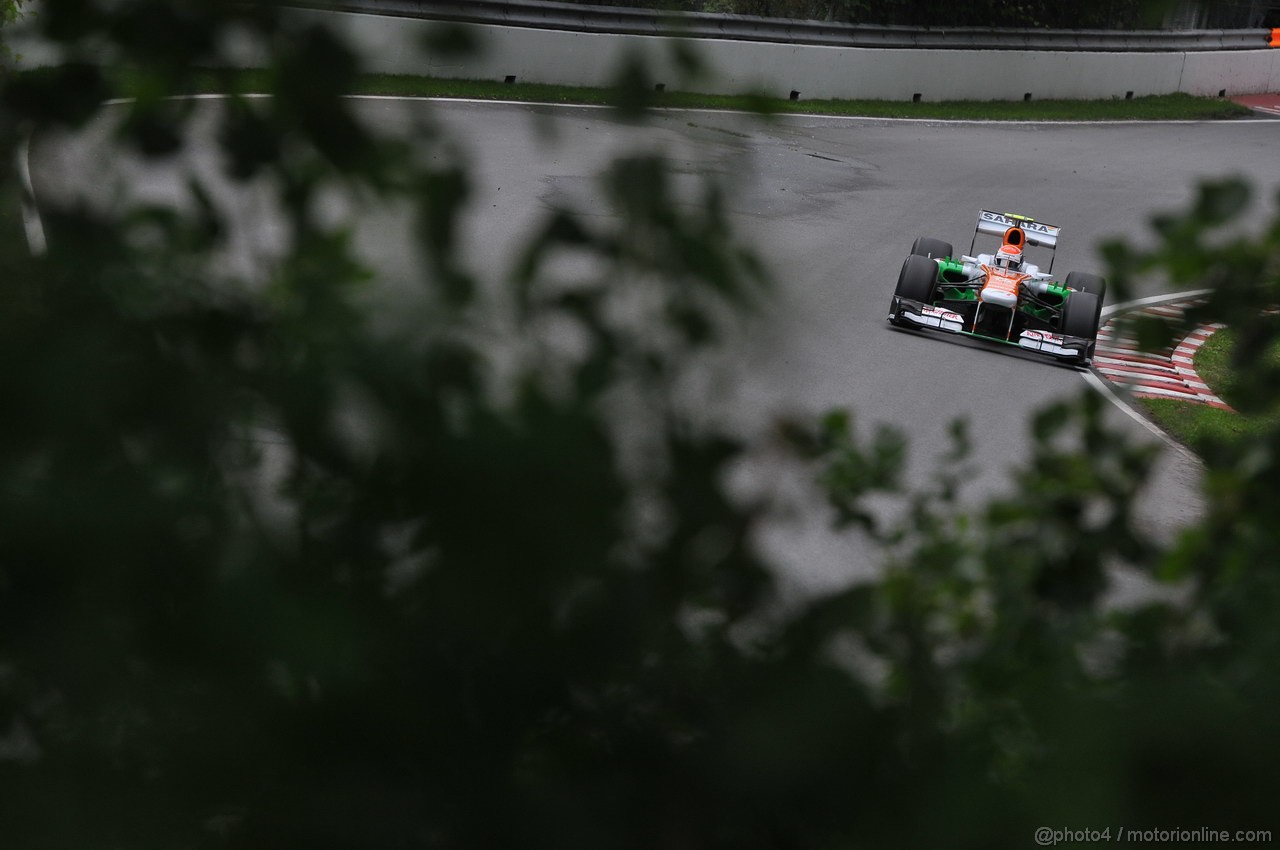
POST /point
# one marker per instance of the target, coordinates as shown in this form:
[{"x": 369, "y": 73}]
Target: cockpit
[{"x": 1010, "y": 254}]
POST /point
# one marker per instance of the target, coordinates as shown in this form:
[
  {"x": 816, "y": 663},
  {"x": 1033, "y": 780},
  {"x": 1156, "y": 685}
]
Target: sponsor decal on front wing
[
  {"x": 1046, "y": 342},
  {"x": 937, "y": 317}
]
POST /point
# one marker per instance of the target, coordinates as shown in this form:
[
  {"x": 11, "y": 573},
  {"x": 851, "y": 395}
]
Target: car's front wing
[{"x": 909, "y": 313}]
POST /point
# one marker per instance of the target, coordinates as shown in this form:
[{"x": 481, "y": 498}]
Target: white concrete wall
[
  {"x": 1209, "y": 73},
  {"x": 393, "y": 45},
  {"x": 828, "y": 72}
]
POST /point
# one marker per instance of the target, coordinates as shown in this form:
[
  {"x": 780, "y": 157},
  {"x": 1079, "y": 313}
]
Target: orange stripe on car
[{"x": 1000, "y": 280}]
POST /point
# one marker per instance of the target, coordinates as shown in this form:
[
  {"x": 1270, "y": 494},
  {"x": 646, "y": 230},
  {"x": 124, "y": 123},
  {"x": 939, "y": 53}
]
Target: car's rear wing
[{"x": 1038, "y": 233}]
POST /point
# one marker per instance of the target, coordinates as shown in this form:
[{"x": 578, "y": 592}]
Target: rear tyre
[
  {"x": 933, "y": 248},
  {"x": 1085, "y": 282},
  {"x": 918, "y": 281}
]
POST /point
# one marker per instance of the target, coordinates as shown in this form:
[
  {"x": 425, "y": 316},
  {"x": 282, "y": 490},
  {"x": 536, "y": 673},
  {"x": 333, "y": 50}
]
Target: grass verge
[
  {"x": 1198, "y": 425},
  {"x": 1194, "y": 425},
  {"x": 1154, "y": 108}
]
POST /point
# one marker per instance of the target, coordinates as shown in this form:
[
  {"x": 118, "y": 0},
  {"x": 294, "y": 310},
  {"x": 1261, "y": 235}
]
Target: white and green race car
[{"x": 1001, "y": 296}]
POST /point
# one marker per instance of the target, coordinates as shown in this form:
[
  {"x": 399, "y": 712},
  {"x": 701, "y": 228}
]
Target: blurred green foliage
[
  {"x": 272, "y": 577},
  {"x": 10, "y": 11}
]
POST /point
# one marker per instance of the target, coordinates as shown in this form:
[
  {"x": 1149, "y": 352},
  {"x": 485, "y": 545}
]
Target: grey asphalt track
[{"x": 833, "y": 204}]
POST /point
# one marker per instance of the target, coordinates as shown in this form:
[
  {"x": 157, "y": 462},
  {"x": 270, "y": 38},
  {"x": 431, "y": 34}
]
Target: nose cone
[{"x": 998, "y": 296}]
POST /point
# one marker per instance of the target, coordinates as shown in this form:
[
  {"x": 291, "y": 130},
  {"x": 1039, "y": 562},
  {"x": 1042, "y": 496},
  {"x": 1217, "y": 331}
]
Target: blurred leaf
[
  {"x": 66, "y": 94},
  {"x": 449, "y": 40},
  {"x": 1220, "y": 202}
]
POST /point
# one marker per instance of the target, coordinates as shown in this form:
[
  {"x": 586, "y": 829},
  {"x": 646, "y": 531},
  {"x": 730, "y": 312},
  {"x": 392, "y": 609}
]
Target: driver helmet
[{"x": 1009, "y": 257}]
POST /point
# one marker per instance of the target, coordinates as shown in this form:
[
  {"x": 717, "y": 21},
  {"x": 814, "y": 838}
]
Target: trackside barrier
[
  {"x": 1275, "y": 37},
  {"x": 622, "y": 20}
]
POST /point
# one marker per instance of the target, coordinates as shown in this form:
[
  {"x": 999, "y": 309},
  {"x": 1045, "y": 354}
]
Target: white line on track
[
  {"x": 32, "y": 224},
  {"x": 679, "y": 109},
  {"x": 480, "y": 101}
]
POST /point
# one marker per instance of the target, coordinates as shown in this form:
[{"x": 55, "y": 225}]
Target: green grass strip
[
  {"x": 1153, "y": 108},
  {"x": 1197, "y": 425}
]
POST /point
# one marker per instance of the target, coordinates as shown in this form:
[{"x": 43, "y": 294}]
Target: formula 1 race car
[{"x": 1001, "y": 297}]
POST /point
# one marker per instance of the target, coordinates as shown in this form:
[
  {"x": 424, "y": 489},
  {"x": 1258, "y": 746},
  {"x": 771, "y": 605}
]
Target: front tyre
[
  {"x": 934, "y": 249},
  {"x": 1085, "y": 282},
  {"x": 918, "y": 281},
  {"x": 1081, "y": 316}
]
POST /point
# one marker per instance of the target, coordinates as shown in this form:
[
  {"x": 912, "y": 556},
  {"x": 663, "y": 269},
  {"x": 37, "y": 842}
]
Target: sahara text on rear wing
[{"x": 1038, "y": 233}]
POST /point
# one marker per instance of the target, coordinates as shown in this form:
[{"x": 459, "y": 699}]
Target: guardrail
[{"x": 628, "y": 21}]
